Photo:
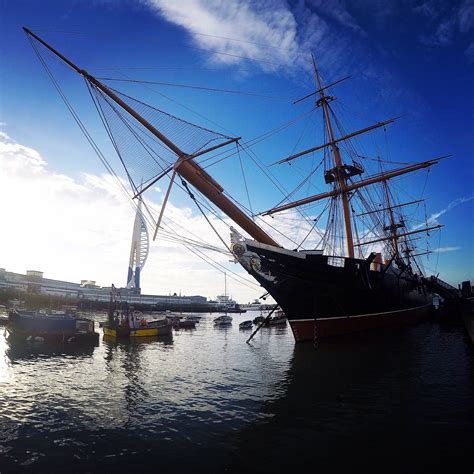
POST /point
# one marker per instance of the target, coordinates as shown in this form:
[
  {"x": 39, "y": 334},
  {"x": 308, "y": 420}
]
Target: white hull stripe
[{"x": 360, "y": 315}]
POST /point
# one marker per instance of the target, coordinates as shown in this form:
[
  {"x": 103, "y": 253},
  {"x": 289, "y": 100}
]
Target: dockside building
[{"x": 33, "y": 282}]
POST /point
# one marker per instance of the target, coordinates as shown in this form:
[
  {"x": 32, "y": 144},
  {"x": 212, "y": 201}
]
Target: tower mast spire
[
  {"x": 139, "y": 249},
  {"x": 341, "y": 180}
]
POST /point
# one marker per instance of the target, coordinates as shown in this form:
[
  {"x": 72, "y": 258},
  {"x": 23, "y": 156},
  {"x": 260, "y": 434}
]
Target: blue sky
[{"x": 409, "y": 58}]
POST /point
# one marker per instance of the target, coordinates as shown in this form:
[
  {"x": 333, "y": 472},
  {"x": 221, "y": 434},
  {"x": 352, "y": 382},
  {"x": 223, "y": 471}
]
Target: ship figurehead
[{"x": 251, "y": 261}]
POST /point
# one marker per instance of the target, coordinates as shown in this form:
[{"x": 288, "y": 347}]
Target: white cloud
[
  {"x": 466, "y": 16},
  {"x": 80, "y": 228},
  {"x": 337, "y": 10},
  {"x": 470, "y": 52},
  {"x": 427, "y": 9},
  {"x": 446, "y": 249},
  {"x": 214, "y": 24},
  {"x": 449, "y": 20},
  {"x": 433, "y": 219},
  {"x": 270, "y": 32},
  {"x": 21, "y": 157},
  {"x": 443, "y": 35}
]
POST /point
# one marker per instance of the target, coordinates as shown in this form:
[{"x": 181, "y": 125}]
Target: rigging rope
[
  {"x": 245, "y": 181},
  {"x": 314, "y": 225},
  {"x": 300, "y": 185},
  {"x": 81, "y": 126},
  {"x": 189, "y": 86},
  {"x": 277, "y": 184},
  {"x": 191, "y": 195},
  {"x": 254, "y": 141},
  {"x": 171, "y": 116}
]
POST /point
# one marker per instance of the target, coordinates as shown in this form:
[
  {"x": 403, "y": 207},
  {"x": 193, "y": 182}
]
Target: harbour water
[{"x": 392, "y": 400}]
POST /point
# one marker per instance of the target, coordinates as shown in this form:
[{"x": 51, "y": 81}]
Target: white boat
[
  {"x": 246, "y": 325},
  {"x": 193, "y": 317},
  {"x": 278, "y": 319},
  {"x": 223, "y": 320}
]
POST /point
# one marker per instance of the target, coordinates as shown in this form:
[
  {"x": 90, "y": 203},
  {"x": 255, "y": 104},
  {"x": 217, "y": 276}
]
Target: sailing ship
[{"x": 357, "y": 282}]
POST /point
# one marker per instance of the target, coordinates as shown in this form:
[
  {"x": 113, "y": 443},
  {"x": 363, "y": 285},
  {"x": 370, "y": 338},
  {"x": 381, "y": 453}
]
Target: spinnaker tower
[{"x": 139, "y": 249}]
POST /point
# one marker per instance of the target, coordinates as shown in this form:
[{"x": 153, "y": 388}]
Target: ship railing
[{"x": 336, "y": 261}]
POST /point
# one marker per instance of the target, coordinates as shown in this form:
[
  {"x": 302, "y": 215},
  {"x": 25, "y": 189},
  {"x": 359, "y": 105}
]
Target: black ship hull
[{"x": 328, "y": 296}]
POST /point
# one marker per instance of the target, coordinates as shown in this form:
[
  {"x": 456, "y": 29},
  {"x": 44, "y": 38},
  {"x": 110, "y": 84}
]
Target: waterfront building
[{"x": 34, "y": 283}]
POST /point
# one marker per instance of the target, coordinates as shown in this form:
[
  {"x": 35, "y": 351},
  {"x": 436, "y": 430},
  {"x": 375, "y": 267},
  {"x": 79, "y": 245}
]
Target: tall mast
[
  {"x": 323, "y": 101},
  {"x": 184, "y": 166},
  {"x": 392, "y": 227}
]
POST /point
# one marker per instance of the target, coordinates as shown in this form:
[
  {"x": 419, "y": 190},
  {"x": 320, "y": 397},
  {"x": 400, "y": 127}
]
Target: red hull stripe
[{"x": 312, "y": 329}]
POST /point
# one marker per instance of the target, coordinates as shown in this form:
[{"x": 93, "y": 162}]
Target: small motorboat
[
  {"x": 259, "y": 319},
  {"x": 184, "y": 324},
  {"x": 246, "y": 324},
  {"x": 174, "y": 320},
  {"x": 278, "y": 320},
  {"x": 223, "y": 320},
  {"x": 193, "y": 317},
  {"x": 161, "y": 326}
]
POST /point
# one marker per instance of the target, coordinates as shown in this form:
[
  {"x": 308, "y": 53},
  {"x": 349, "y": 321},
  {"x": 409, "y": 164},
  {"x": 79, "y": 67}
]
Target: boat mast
[
  {"x": 405, "y": 234},
  {"x": 184, "y": 165},
  {"x": 386, "y": 208},
  {"x": 392, "y": 226},
  {"x": 323, "y": 102}
]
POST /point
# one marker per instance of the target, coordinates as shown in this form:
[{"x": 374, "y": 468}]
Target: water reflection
[
  {"x": 128, "y": 354},
  {"x": 398, "y": 400},
  {"x": 17, "y": 350}
]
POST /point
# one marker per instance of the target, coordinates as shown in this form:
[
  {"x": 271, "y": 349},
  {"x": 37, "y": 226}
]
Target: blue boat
[{"x": 30, "y": 325}]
